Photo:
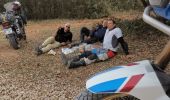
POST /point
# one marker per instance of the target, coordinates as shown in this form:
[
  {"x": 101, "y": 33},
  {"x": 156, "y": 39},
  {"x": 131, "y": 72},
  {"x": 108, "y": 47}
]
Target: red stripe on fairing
[
  {"x": 131, "y": 83},
  {"x": 132, "y": 64}
]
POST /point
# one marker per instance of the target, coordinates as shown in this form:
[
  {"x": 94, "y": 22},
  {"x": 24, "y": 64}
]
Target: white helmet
[{"x": 17, "y": 3}]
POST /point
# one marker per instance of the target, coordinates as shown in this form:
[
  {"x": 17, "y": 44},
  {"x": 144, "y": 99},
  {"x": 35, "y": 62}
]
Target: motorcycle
[
  {"x": 13, "y": 28},
  {"x": 142, "y": 80}
]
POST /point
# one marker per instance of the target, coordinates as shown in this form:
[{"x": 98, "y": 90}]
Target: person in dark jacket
[
  {"x": 63, "y": 37},
  {"x": 95, "y": 35}
]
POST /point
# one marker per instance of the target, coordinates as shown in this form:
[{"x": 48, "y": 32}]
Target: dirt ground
[{"x": 24, "y": 76}]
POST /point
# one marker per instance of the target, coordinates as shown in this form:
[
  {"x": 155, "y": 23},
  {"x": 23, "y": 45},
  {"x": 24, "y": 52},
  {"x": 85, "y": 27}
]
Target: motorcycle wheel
[
  {"x": 13, "y": 41},
  {"x": 86, "y": 95}
]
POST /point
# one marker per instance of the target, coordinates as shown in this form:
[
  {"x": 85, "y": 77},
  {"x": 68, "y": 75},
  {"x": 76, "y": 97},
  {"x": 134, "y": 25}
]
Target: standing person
[
  {"x": 17, "y": 10},
  {"x": 113, "y": 37},
  {"x": 62, "y": 37}
]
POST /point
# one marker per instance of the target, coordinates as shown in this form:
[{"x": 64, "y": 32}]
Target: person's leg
[
  {"x": 102, "y": 56},
  {"x": 50, "y": 46},
  {"x": 82, "y": 62},
  {"x": 65, "y": 59},
  {"x": 91, "y": 59},
  {"x": 85, "y": 54},
  {"x": 49, "y": 40},
  {"x": 79, "y": 61},
  {"x": 76, "y": 64},
  {"x": 85, "y": 58}
]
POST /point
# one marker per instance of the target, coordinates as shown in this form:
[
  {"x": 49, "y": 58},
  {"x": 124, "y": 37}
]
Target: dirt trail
[{"x": 25, "y": 76}]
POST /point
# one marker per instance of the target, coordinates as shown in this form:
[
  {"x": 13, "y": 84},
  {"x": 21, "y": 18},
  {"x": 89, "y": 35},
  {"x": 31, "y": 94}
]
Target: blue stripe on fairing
[
  {"x": 109, "y": 86},
  {"x": 110, "y": 69}
]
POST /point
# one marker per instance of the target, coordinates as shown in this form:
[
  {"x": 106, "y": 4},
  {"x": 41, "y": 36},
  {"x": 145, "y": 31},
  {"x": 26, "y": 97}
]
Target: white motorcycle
[{"x": 140, "y": 80}]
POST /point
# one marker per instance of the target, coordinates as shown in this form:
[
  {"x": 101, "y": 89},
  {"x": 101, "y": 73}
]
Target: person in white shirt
[{"x": 113, "y": 37}]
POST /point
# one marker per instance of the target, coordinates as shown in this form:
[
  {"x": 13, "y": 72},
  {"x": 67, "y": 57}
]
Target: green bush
[{"x": 49, "y": 9}]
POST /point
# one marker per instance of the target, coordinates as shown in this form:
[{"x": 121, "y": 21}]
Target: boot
[
  {"x": 39, "y": 52},
  {"x": 72, "y": 64},
  {"x": 65, "y": 59}
]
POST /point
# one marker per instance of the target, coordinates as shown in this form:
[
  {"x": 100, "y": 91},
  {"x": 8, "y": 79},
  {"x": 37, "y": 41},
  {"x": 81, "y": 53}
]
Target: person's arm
[
  {"x": 92, "y": 32},
  {"x": 124, "y": 45},
  {"x": 87, "y": 37},
  {"x": 120, "y": 39},
  {"x": 63, "y": 43},
  {"x": 58, "y": 35},
  {"x": 70, "y": 37}
]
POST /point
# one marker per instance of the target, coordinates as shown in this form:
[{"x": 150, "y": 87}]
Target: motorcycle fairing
[{"x": 138, "y": 80}]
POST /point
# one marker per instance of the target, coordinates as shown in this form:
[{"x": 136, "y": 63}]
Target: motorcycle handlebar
[{"x": 155, "y": 23}]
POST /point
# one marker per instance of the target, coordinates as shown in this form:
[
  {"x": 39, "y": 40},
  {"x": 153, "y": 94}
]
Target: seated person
[
  {"x": 95, "y": 35},
  {"x": 112, "y": 38},
  {"x": 62, "y": 37},
  {"x": 92, "y": 36}
]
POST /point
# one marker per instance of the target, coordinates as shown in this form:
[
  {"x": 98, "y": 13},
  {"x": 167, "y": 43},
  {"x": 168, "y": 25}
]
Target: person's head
[
  {"x": 67, "y": 27},
  {"x": 85, "y": 31},
  {"x": 104, "y": 23},
  {"x": 16, "y": 5},
  {"x": 111, "y": 23}
]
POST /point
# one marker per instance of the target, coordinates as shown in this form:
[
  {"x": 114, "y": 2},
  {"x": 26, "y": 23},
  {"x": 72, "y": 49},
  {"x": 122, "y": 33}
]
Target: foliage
[
  {"x": 136, "y": 27},
  {"x": 50, "y": 9}
]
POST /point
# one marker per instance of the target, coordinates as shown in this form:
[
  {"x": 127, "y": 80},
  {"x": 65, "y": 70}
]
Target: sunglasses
[{"x": 68, "y": 26}]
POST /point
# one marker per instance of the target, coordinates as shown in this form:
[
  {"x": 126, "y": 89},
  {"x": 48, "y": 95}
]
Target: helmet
[{"x": 16, "y": 5}]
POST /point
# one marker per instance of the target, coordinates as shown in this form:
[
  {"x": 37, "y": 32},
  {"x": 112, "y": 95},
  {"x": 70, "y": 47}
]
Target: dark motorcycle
[{"x": 13, "y": 28}]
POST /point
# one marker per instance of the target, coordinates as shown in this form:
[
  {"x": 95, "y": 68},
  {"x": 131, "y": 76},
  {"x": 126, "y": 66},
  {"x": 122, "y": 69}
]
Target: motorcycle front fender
[{"x": 137, "y": 79}]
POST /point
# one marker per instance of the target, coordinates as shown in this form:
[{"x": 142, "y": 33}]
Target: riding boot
[
  {"x": 65, "y": 59},
  {"x": 75, "y": 64},
  {"x": 38, "y": 51}
]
